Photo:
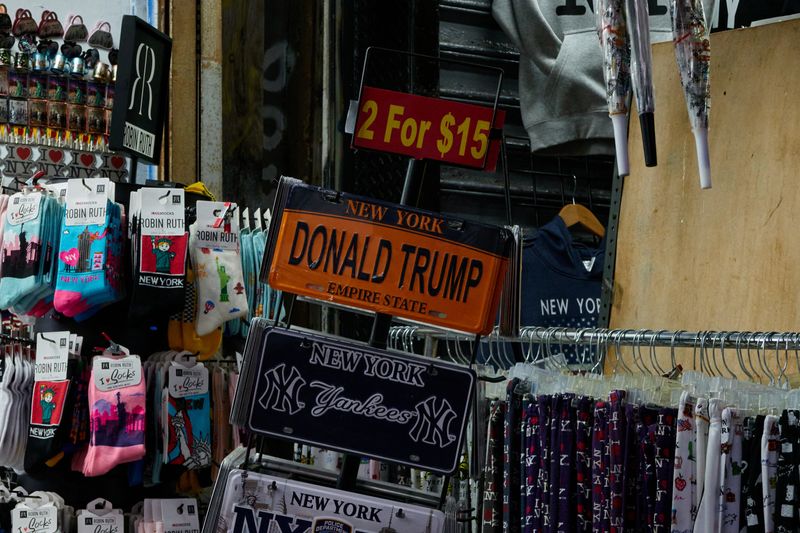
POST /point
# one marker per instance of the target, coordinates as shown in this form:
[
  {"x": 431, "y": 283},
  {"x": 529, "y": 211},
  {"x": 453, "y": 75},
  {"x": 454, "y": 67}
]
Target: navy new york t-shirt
[{"x": 561, "y": 283}]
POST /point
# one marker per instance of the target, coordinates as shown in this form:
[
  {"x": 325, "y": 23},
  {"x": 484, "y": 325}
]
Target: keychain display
[{"x": 56, "y": 89}]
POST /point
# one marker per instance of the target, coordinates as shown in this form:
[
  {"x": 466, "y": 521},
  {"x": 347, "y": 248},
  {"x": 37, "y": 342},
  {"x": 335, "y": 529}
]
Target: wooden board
[{"x": 725, "y": 258}]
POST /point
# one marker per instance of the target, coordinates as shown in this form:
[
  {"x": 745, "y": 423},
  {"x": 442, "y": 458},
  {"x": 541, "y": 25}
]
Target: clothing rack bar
[{"x": 623, "y": 337}]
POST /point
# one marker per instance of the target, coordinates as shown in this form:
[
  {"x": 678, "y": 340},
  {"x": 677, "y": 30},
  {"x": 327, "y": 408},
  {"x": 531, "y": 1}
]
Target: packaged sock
[
  {"x": 214, "y": 246},
  {"x": 159, "y": 253},
  {"x": 22, "y": 247},
  {"x": 117, "y": 410},
  {"x": 51, "y": 408},
  {"x": 90, "y": 253},
  {"x": 187, "y": 416}
]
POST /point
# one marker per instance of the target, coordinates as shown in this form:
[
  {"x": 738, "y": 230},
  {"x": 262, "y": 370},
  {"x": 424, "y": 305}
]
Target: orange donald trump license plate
[{"x": 390, "y": 259}]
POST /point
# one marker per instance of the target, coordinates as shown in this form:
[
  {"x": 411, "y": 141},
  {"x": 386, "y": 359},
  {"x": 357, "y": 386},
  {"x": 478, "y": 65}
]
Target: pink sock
[
  {"x": 69, "y": 303},
  {"x": 41, "y": 308},
  {"x": 117, "y": 421}
]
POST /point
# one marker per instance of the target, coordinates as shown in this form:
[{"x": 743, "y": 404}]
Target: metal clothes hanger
[
  {"x": 722, "y": 354},
  {"x": 762, "y": 352},
  {"x": 714, "y": 338},
  {"x": 654, "y": 355},
  {"x": 636, "y": 352},
  {"x": 600, "y": 356},
  {"x": 618, "y": 351},
  {"x": 742, "y": 366}
]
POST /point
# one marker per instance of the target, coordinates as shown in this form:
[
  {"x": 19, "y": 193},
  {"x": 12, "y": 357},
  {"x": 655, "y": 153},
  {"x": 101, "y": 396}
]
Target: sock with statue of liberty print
[
  {"x": 117, "y": 421},
  {"x": 220, "y": 285},
  {"x": 187, "y": 420}
]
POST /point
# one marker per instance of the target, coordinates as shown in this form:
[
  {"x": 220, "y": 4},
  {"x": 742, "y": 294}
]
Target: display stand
[{"x": 493, "y": 148}]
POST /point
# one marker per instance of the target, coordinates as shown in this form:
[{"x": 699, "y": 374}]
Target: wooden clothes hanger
[{"x": 574, "y": 214}]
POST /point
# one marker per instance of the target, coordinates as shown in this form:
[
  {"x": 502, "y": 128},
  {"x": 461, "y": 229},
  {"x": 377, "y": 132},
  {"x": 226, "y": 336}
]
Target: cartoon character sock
[
  {"x": 50, "y": 419},
  {"x": 181, "y": 329},
  {"x": 22, "y": 247},
  {"x": 159, "y": 276},
  {"x": 220, "y": 285},
  {"x": 117, "y": 427}
]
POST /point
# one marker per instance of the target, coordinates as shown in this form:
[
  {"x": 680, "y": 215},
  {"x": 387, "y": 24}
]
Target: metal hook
[
  {"x": 574, "y": 187},
  {"x": 654, "y": 354},
  {"x": 763, "y": 359},
  {"x": 618, "y": 350},
  {"x": 749, "y": 339},
  {"x": 83, "y": 181},
  {"x": 714, "y": 337},
  {"x": 742, "y": 366},
  {"x": 777, "y": 360},
  {"x": 637, "y": 335},
  {"x": 602, "y": 338},
  {"x": 722, "y": 354},
  {"x": 703, "y": 336},
  {"x": 47, "y": 338},
  {"x": 672, "y": 357}
]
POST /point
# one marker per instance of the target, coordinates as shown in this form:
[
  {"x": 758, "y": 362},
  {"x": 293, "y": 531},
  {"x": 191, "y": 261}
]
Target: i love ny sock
[
  {"x": 188, "y": 430},
  {"x": 21, "y": 252},
  {"x": 117, "y": 421}
]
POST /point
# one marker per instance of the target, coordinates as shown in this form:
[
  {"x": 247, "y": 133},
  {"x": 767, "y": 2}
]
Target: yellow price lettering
[
  {"x": 480, "y": 136},
  {"x": 446, "y": 142},
  {"x": 411, "y": 131},
  {"x": 371, "y": 108}
]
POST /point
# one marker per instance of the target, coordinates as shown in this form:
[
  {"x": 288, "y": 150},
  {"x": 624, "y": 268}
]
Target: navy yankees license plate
[{"x": 347, "y": 396}]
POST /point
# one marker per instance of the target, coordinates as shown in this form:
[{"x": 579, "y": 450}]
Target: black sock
[{"x": 51, "y": 420}]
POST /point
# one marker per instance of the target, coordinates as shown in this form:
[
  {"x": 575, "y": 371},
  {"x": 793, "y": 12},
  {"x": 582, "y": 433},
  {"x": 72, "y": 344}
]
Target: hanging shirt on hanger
[{"x": 561, "y": 283}]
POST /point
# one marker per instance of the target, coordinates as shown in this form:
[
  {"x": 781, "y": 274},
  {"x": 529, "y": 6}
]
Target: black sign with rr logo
[
  {"x": 137, "y": 120},
  {"x": 347, "y": 396}
]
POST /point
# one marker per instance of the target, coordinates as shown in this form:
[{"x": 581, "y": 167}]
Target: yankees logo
[
  {"x": 283, "y": 391},
  {"x": 433, "y": 423},
  {"x": 145, "y": 71}
]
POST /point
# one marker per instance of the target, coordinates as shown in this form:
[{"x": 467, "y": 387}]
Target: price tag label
[
  {"x": 23, "y": 208},
  {"x": 180, "y": 515},
  {"x": 100, "y": 517},
  {"x": 217, "y": 225},
  {"x": 185, "y": 382},
  {"x": 52, "y": 354},
  {"x": 427, "y": 128},
  {"x": 112, "y": 373},
  {"x": 42, "y": 519},
  {"x": 162, "y": 211},
  {"x": 87, "y": 200}
]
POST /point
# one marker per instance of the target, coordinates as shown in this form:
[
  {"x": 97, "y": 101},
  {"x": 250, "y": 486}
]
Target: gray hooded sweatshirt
[{"x": 561, "y": 87}]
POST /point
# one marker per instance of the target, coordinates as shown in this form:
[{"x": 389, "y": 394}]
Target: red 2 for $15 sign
[{"x": 427, "y": 128}]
